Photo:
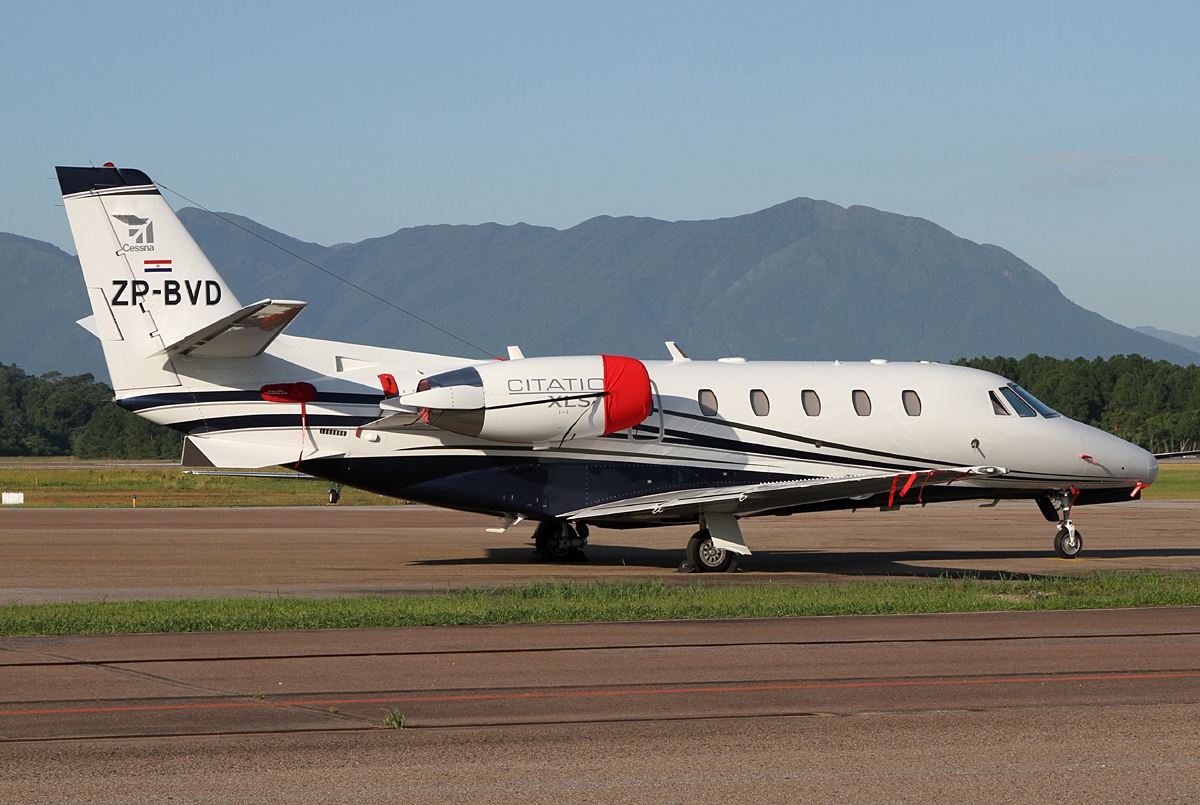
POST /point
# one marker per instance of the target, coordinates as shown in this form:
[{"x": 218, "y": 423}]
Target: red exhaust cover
[
  {"x": 289, "y": 392},
  {"x": 628, "y": 401}
]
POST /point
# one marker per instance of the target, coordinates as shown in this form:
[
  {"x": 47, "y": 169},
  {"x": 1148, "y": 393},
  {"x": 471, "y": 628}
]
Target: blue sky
[{"x": 1067, "y": 133}]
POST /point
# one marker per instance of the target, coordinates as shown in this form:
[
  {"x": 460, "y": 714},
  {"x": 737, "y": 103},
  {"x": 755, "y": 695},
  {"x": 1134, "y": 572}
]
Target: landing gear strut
[
  {"x": 559, "y": 541},
  {"x": 1068, "y": 542},
  {"x": 704, "y": 556}
]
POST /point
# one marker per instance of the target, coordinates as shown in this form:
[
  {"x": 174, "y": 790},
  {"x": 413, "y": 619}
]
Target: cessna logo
[{"x": 138, "y": 233}]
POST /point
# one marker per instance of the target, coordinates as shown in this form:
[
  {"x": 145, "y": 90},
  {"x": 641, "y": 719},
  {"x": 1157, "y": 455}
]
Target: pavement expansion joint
[{"x": 65, "y": 660}]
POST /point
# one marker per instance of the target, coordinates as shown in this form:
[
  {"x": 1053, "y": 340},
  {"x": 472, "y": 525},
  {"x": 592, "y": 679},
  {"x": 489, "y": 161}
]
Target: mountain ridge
[
  {"x": 1191, "y": 342},
  {"x": 804, "y": 279}
]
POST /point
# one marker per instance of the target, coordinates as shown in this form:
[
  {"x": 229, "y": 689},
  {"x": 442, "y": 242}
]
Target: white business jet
[{"x": 569, "y": 441}]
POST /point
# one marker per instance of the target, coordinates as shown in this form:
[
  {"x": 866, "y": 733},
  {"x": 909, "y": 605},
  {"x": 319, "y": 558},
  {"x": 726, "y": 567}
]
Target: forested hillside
[
  {"x": 52, "y": 415},
  {"x": 1154, "y": 404}
]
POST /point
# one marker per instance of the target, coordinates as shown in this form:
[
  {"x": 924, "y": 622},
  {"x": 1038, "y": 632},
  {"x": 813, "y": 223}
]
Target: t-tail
[
  {"x": 155, "y": 296},
  {"x": 172, "y": 330}
]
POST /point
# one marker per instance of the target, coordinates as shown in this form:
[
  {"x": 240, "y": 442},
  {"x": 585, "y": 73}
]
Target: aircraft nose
[
  {"x": 1115, "y": 457},
  {"x": 1145, "y": 462}
]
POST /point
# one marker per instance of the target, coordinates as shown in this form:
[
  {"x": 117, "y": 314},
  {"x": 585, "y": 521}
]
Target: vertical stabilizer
[{"x": 148, "y": 281}]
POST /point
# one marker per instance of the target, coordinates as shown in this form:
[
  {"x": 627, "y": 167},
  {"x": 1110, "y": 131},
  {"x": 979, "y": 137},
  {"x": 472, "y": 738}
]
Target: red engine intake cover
[
  {"x": 289, "y": 392},
  {"x": 629, "y": 399}
]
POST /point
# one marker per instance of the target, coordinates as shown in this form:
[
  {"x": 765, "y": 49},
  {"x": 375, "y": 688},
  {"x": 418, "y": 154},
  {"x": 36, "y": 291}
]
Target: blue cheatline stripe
[
  {"x": 792, "y": 437},
  {"x": 212, "y": 425},
  {"x": 905, "y": 463},
  {"x": 148, "y": 401},
  {"x": 215, "y": 425},
  {"x": 262, "y": 421}
]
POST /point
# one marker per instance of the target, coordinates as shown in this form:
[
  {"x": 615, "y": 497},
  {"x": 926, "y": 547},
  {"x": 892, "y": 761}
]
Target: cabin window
[
  {"x": 912, "y": 402},
  {"x": 862, "y": 403},
  {"x": 708, "y": 402},
  {"x": 1020, "y": 406},
  {"x": 998, "y": 406},
  {"x": 811, "y": 402},
  {"x": 759, "y": 402}
]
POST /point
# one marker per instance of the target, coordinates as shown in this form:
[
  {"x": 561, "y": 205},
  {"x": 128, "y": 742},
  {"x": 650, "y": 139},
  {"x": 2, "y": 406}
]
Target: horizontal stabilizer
[{"x": 242, "y": 334}]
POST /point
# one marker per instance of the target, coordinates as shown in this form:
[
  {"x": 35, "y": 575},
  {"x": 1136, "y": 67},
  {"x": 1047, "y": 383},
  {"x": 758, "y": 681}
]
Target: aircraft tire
[
  {"x": 1066, "y": 546},
  {"x": 551, "y": 543},
  {"x": 706, "y": 557},
  {"x": 334, "y": 496}
]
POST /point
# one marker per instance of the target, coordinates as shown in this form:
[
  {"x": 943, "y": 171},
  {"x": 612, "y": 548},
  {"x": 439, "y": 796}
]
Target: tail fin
[{"x": 149, "y": 283}]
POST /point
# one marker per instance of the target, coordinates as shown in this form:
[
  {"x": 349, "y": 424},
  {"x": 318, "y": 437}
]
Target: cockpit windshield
[
  {"x": 1037, "y": 404},
  {"x": 1019, "y": 405}
]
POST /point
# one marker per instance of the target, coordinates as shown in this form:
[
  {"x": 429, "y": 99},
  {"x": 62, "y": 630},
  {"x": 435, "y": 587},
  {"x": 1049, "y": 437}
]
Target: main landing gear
[
  {"x": 559, "y": 541},
  {"x": 705, "y": 557},
  {"x": 1068, "y": 542}
]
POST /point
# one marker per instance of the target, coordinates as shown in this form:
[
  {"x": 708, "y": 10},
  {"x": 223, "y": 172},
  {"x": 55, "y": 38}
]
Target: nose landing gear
[{"x": 1068, "y": 542}]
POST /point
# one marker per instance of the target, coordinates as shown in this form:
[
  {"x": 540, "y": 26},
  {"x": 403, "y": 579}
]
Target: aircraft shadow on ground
[{"x": 840, "y": 563}]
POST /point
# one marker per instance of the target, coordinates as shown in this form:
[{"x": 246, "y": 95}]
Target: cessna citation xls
[{"x": 572, "y": 442}]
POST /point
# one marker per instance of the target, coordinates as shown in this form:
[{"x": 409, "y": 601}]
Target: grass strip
[
  {"x": 114, "y": 486},
  {"x": 156, "y": 487},
  {"x": 558, "y": 602}
]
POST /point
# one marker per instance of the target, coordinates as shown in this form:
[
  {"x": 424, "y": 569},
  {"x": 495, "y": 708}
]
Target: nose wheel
[{"x": 1068, "y": 542}]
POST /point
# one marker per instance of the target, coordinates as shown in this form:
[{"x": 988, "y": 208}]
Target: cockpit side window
[
  {"x": 998, "y": 406},
  {"x": 1034, "y": 402},
  {"x": 1022, "y": 408}
]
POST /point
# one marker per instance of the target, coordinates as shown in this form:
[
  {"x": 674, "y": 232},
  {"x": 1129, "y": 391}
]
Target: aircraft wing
[{"x": 751, "y": 499}]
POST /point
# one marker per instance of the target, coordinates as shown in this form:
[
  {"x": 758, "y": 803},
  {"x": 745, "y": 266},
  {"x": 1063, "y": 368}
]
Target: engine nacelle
[{"x": 537, "y": 400}]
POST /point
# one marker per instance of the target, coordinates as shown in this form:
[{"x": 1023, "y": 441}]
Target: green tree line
[
  {"x": 1154, "y": 404},
  {"x": 53, "y": 415}
]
